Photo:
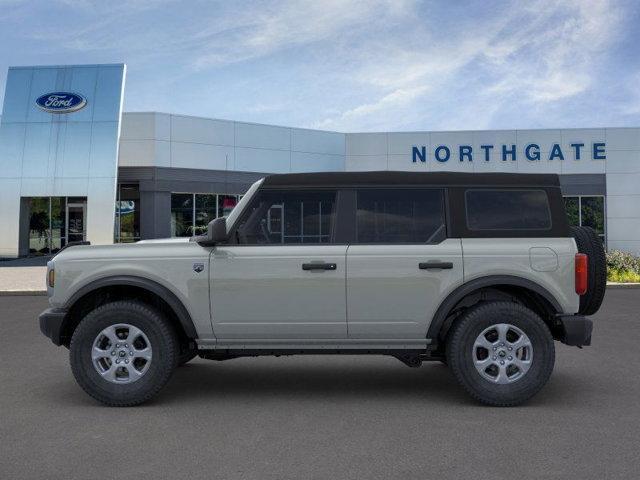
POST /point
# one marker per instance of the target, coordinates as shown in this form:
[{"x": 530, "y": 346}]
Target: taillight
[
  {"x": 51, "y": 278},
  {"x": 581, "y": 273}
]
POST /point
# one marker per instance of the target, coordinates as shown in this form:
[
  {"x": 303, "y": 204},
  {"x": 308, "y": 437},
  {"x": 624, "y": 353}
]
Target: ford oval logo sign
[{"x": 61, "y": 102}]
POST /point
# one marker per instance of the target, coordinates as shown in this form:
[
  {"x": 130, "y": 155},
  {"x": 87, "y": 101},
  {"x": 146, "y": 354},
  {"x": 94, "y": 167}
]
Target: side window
[
  {"x": 400, "y": 216},
  {"x": 286, "y": 217},
  {"x": 507, "y": 210}
]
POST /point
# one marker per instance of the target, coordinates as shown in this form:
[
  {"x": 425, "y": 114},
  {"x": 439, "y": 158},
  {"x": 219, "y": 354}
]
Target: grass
[{"x": 622, "y": 276}]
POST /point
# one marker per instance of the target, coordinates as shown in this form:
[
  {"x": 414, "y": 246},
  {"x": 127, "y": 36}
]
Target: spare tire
[{"x": 590, "y": 244}]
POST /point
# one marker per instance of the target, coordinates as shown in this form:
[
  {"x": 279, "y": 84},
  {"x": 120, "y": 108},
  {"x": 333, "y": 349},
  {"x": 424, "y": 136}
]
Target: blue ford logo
[{"x": 61, "y": 102}]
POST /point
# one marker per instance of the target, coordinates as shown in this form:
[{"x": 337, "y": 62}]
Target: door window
[
  {"x": 285, "y": 217},
  {"x": 400, "y": 216}
]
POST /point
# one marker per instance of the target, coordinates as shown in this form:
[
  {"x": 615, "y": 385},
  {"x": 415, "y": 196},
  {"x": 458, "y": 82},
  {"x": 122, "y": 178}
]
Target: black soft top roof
[{"x": 412, "y": 178}]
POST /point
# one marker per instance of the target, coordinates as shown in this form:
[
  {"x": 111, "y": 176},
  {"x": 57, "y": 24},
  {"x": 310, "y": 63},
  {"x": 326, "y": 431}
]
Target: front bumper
[
  {"x": 51, "y": 321},
  {"x": 575, "y": 330}
]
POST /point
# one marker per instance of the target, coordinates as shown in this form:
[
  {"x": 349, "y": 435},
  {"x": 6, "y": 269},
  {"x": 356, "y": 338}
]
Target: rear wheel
[
  {"x": 123, "y": 353},
  {"x": 502, "y": 353}
]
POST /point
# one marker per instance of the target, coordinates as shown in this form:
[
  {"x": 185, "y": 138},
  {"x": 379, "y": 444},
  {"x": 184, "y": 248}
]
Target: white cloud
[
  {"x": 530, "y": 54},
  {"x": 348, "y": 64}
]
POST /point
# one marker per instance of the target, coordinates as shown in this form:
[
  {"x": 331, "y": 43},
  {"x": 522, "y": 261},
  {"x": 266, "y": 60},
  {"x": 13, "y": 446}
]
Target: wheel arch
[
  {"x": 526, "y": 291},
  {"x": 118, "y": 287}
]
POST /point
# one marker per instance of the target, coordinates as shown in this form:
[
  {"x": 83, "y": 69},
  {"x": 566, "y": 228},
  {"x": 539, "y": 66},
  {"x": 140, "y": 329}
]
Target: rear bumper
[
  {"x": 51, "y": 321},
  {"x": 576, "y": 330}
]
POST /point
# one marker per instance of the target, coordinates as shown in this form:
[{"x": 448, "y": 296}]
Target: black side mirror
[{"x": 217, "y": 230}]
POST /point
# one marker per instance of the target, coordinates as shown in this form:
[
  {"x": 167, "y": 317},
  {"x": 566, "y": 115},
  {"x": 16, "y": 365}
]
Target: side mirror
[{"x": 217, "y": 230}]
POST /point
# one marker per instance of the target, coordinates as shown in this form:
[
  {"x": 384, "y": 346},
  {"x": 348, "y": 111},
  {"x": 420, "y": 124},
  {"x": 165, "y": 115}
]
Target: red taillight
[{"x": 581, "y": 273}]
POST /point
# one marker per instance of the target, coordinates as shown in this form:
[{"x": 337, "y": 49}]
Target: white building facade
[{"x": 175, "y": 173}]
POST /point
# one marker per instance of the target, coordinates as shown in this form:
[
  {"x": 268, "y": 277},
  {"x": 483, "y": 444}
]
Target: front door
[
  {"x": 76, "y": 216},
  {"x": 401, "y": 264},
  {"x": 281, "y": 276}
]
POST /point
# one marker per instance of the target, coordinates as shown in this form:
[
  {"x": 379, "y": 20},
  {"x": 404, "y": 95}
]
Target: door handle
[
  {"x": 319, "y": 266},
  {"x": 435, "y": 265}
]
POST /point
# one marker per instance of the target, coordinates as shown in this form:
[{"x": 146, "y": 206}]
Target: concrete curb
[
  {"x": 623, "y": 285},
  {"x": 10, "y": 293}
]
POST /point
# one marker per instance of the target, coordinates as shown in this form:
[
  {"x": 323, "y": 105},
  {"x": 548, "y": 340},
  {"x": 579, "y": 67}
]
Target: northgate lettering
[{"x": 531, "y": 152}]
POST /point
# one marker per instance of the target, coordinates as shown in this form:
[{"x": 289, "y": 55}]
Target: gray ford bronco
[{"x": 479, "y": 271}]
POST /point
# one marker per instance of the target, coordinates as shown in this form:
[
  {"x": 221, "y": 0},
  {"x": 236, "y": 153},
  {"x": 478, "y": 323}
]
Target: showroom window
[
  {"x": 127, "y": 227},
  {"x": 192, "y": 212},
  {"x": 55, "y": 221},
  {"x": 588, "y": 211},
  {"x": 400, "y": 216},
  {"x": 285, "y": 217}
]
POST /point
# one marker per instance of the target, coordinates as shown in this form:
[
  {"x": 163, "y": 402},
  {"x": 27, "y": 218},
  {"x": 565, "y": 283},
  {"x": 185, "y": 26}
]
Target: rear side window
[
  {"x": 400, "y": 216},
  {"x": 507, "y": 210}
]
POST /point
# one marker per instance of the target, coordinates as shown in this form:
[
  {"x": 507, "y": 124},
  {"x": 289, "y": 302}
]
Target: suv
[{"x": 479, "y": 271}]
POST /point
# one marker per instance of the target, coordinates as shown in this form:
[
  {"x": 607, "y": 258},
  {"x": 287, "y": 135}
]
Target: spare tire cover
[{"x": 590, "y": 244}]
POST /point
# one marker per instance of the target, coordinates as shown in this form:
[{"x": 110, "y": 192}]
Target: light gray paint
[
  {"x": 262, "y": 292},
  {"x": 388, "y": 296}
]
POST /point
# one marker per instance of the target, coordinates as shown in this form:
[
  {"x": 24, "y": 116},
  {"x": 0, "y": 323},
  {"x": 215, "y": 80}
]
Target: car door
[
  {"x": 401, "y": 264},
  {"x": 281, "y": 276}
]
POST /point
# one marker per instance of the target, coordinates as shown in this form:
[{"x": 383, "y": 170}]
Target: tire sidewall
[
  {"x": 460, "y": 353},
  {"x": 140, "y": 316}
]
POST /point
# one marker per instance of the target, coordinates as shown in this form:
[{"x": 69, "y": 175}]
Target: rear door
[{"x": 401, "y": 264}]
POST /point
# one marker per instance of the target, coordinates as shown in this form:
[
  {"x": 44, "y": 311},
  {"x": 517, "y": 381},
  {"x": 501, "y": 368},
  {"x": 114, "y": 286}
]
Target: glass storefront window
[
  {"x": 226, "y": 203},
  {"x": 588, "y": 211},
  {"x": 58, "y": 224},
  {"x": 192, "y": 212},
  {"x": 204, "y": 213},
  {"x": 128, "y": 214},
  {"x": 572, "y": 206},
  {"x": 181, "y": 214},
  {"x": 55, "y": 221},
  {"x": 39, "y": 226},
  {"x": 592, "y": 213}
]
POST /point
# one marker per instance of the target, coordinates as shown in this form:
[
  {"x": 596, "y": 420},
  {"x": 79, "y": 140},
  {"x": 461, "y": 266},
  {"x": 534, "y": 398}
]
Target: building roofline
[{"x": 377, "y": 132}]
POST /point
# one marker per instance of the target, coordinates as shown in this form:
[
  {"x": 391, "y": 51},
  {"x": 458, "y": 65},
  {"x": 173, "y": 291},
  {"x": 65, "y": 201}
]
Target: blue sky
[{"x": 351, "y": 65}]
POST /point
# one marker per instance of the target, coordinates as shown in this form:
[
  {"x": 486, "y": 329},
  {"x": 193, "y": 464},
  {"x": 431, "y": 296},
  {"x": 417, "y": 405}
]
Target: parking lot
[{"x": 321, "y": 417}]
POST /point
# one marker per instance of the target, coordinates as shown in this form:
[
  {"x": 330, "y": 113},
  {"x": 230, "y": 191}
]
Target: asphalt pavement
[{"x": 321, "y": 417}]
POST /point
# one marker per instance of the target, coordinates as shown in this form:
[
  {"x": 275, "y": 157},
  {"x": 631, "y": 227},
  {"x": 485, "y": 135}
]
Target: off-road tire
[
  {"x": 186, "y": 354},
  {"x": 163, "y": 341},
  {"x": 590, "y": 244},
  {"x": 460, "y": 346}
]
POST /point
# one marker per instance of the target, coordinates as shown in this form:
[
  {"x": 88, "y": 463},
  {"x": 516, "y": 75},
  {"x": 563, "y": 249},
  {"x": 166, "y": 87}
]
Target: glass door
[{"x": 76, "y": 221}]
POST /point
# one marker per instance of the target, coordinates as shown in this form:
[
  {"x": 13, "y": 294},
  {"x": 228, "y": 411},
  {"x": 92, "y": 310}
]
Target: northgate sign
[{"x": 531, "y": 152}]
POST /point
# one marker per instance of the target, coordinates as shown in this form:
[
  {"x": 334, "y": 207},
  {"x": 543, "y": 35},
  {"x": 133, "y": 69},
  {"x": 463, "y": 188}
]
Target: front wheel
[
  {"x": 502, "y": 353},
  {"x": 123, "y": 353}
]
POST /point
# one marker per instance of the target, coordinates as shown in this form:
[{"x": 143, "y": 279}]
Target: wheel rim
[
  {"x": 502, "y": 353},
  {"x": 121, "y": 353}
]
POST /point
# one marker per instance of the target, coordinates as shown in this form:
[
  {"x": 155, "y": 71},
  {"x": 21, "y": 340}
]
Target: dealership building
[{"x": 74, "y": 166}]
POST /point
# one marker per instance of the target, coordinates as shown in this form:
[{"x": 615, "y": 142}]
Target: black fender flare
[
  {"x": 483, "y": 282},
  {"x": 150, "y": 285}
]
